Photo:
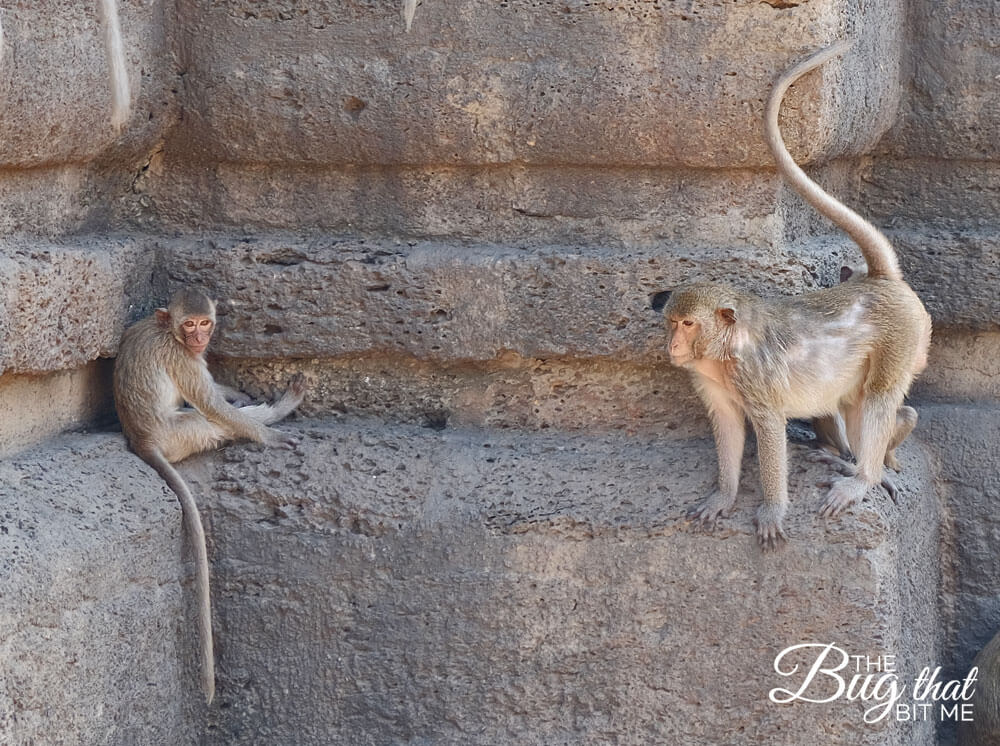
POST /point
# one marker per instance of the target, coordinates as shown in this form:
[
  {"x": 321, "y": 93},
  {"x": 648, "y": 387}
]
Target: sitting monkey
[{"x": 160, "y": 366}]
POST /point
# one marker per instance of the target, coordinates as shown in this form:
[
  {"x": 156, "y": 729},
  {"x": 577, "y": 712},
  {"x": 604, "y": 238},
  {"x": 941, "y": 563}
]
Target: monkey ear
[
  {"x": 162, "y": 316},
  {"x": 846, "y": 273},
  {"x": 658, "y": 301},
  {"x": 728, "y": 315}
]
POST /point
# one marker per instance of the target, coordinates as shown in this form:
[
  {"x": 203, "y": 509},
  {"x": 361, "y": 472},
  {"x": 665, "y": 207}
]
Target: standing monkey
[
  {"x": 852, "y": 349},
  {"x": 160, "y": 366}
]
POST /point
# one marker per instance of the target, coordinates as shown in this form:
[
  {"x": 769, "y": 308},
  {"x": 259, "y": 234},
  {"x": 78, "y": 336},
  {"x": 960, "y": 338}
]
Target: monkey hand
[
  {"x": 280, "y": 439},
  {"x": 712, "y": 508},
  {"x": 770, "y": 534}
]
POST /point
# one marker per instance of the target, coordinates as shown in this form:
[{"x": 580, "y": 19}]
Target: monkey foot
[
  {"x": 890, "y": 487},
  {"x": 770, "y": 534},
  {"x": 712, "y": 508},
  {"x": 850, "y": 470},
  {"x": 843, "y": 494},
  {"x": 297, "y": 385},
  {"x": 284, "y": 440}
]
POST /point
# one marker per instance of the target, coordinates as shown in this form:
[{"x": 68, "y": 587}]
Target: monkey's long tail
[
  {"x": 192, "y": 519},
  {"x": 878, "y": 252}
]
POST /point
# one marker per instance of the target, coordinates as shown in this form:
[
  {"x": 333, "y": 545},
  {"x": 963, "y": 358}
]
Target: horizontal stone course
[
  {"x": 627, "y": 83},
  {"x": 327, "y": 297}
]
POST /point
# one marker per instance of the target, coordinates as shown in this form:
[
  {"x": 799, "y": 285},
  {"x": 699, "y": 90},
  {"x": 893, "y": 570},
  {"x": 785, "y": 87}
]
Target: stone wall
[{"x": 458, "y": 234}]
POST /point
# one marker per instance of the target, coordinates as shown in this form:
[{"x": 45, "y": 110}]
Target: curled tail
[
  {"x": 192, "y": 520},
  {"x": 878, "y": 252}
]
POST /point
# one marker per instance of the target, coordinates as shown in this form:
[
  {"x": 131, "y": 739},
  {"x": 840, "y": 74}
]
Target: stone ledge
[
  {"x": 65, "y": 303},
  {"x": 96, "y": 639},
  {"x": 592, "y": 395},
  {"x": 396, "y": 584}
]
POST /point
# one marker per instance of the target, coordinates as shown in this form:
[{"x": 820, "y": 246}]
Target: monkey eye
[
  {"x": 688, "y": 322},
  {"x": 189, "y": 325}
]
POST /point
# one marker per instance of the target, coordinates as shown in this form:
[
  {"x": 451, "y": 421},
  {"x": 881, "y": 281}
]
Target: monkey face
[
  {"x": 684, "y": 334},
  {"x": 196, "y": 332}
]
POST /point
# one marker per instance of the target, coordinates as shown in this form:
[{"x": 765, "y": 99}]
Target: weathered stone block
[
  {"x": 952, "y": 112},
  {"x": 593, "y": 395},
  {"x": 963, "y": 366},
  {"x": 401, "y": 585},
  {"x": 963, "y": 437},
  {"x": 610, "y": 206},
  {"x": 95, "y": 635},
  {"x": 55, "y": 94},
  {"x": 626, "y": 83},
  {"x": 65, "y": 304},
  {"x": 325, "y": 297},
  {"x": 955, "y": 273}
]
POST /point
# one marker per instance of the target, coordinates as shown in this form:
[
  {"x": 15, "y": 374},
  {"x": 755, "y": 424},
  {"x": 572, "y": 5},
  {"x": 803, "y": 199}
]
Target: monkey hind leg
[
  {"x": 870, "y": 424},
  {"x": 830, "y": 435},
  {"x": 188, "y": 433},
  {"x": 268, "y": 414},
  {"x": 906, "y": 420}
]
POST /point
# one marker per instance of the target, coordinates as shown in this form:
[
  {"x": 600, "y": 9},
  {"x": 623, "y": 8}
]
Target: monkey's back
[
  {"x": 141, "y": 382},
  {"x": 812, "y": 347}
]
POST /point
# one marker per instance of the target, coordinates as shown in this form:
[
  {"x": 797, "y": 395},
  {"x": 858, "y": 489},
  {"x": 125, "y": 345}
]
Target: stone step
[
  {"x": 436, "y": 332},
  {"x": 65, "y": 302},
  {"x": 295, "y": 297},
  {"x": 397, "y": 584},
  {"x": 390, "y": 584}
]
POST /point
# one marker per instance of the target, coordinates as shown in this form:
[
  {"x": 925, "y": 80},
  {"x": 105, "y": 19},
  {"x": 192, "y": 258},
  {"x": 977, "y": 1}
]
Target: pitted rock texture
[
  {"x": 964, "y": 437},
  {"x": 526, "y": 81},
  {"x": 383, "y": 584},
  {"x": 55, "y": 90},
  {"x": 324, "y": 297},
  {"x": 511, "y": 392},
  {"x": 96, "y": 636},
  {"x": 602, "y": 205},
  {"x": 65, "y": 303}
]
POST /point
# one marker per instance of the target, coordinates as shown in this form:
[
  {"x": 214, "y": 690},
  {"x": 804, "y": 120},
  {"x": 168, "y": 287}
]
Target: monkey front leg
[
  {"x": 772, "y": 455},
  {"x": 729, "y": 430}
]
